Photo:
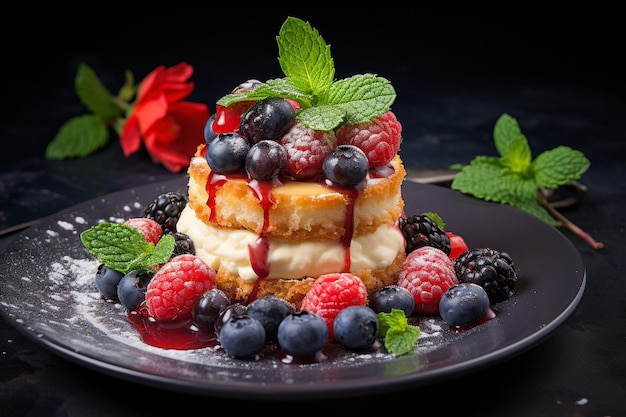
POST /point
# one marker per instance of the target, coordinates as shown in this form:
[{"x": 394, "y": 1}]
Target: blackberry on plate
[
  {"x": 491, "y": 269},
  {"x": 166, "y": 209},
  {"x": 183, "y": 244},
  {"x": 420, "y": 230}
]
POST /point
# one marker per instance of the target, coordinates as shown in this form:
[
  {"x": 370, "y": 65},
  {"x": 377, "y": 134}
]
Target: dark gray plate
[{"x": 47, "y": 292}]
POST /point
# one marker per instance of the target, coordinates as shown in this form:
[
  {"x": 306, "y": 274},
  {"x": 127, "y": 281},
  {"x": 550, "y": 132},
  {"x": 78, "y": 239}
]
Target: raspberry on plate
[
  {"x": 149, "y": 228},
  {"x": 427, "y": 273},
  {"x": 178, "y": 285},
  {"x": 331, "y": 293}
]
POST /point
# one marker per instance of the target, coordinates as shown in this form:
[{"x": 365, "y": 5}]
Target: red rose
[{"x": 171, "y": 129}]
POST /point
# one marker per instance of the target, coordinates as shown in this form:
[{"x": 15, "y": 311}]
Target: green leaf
[
  {"x": 124, "y": 248},
  {"x": 400, "y": 337},
  {"x": 94, "y": 95},
  {"x": 362, "y": 97},
  {"x": 304, "y": 57},
  {"x": 78, "y": 137},
  {"x": 436, "y": 218},
  {"x": 128, "y": 90},
  {"x": 325, "y": 117},
  {"x": 559, "y": 166},
  {"x": 488, "y": 180}
]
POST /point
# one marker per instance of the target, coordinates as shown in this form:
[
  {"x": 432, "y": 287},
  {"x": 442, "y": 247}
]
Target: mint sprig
[
  {"x": 124, "y": 248},
  {"x": 309, "y": 70},
  {"x": 399, "y": 336},
  {"x": 516, "y": 179}
]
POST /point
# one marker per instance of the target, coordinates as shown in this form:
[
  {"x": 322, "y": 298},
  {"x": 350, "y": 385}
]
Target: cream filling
[{"x": 228, "y": 248}]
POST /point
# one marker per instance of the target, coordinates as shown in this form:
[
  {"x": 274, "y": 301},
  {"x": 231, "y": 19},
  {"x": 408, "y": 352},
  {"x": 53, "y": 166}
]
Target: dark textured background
[{"x": 560, "y": 73}]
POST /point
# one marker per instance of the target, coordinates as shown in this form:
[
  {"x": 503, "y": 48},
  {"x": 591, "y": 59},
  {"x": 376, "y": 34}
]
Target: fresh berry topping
[
  {"x": 227, "y": 119},
  {"x": 427, "y": 273},
  {"x": 306, "y": 149},
  {"x": 302, "y": 334},
  {"x": 491, "y": 269},
  {"x": 265, "y": 160},
  {"x": 390, "y": 297},
  {"x": 346, "y": 166},
  {"x": 209, "y": 133},
  {"x": 233, "y": 310},
  {"x": 131, "y": 290},
  {"x": 149, "y": 228},
  {"x": 248, "y": 85},
  {"x": 177, "y": 286},
  {"x": 270, "y": 311},
  {"x": 226, "y": 154},
  {"x": 242, "y": 336},
  {"x": 333, "y": 292},
  {"x": 208, "y": 308},
  {"x": 269, "y": 119},
  {"x": 457, "y": 245},
  {"x": 420, "y": 230},
  {"x": 166, "y": 209},
  {"x": 107, "y": 280},
  {"x": 356, "y": 327},
  {"x": 379, "y": 138},
  {"x": 464, "y": 304},
  {"x": 183, "y": 244}
]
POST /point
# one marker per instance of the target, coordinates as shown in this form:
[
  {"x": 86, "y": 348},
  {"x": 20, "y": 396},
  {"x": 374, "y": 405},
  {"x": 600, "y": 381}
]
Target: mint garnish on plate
[{"x": 124, "y": 248}]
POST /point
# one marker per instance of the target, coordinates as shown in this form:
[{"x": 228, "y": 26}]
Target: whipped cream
[{"x": 228, "y": 248}]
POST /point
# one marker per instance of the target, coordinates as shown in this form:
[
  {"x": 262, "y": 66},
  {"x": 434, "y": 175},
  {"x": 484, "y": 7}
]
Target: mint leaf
[
  {"x": 94, "y": 95},
  {"x": 559, "y": 166},
  {"x": 309, "y": 73},
  {"x": 79, "y": 136},
  {"x": 399, "y": 336},
  {"x": 123, "y": 248},
  {"x": 362, "y": 97},
  {"x": 304, "y": 57}
]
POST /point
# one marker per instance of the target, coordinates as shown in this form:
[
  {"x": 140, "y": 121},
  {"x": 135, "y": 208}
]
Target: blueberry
[
  {"x": 356, "y": 327},
  {"x": 208, "y": 307},
  {"x": 242, "y": 336},
  {"x": 226, "y": 314},
  {"x": 270, "y": 311},
  {"x": 209, "y": 133},
  {"x": 107, "y": 280},
  {"x": 346, "y": 166},
  {"x": 265, "y": 160},
  {"x": 131, "y": 290},
  {"x": 463, "y": 304},
  {"x": 226, "y": 154},
  {"x": 269, "y": 119},
  {"x": 302, "y": 333},
  {"x": 390, "y": 297}
]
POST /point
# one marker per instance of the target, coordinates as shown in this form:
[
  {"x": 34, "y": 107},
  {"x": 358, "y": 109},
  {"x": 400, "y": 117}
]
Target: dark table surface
[{"x": 560, "y": 76}]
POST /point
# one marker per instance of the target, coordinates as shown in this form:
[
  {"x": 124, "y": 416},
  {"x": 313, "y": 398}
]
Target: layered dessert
[{"x": 299, "y": 178}]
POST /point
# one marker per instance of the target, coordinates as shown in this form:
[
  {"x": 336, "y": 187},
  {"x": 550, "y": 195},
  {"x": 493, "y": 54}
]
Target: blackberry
[
  {"x": 166, "y": 209},
  {"x": 491, "y": 269},
  {"x": 184, "y": 244},
  {"x": 420, "y": 230}
]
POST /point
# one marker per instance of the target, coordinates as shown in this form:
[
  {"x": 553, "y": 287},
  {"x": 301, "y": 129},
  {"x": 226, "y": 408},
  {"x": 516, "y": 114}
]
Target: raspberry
[
  {"x": 331, "y": 293},
  {"x": 306, "y": 149},
  {"x": 178, "y": 285},
  {"x": 427, "y": 273},
  {"x": 379, "y": 138},
  {"x": 150, "y": 229},
  {"x": 457, "y": 245}
]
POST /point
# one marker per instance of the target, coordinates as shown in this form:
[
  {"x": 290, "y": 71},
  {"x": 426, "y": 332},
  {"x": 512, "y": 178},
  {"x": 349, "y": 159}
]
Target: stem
[{"x": 567, "y": 223}]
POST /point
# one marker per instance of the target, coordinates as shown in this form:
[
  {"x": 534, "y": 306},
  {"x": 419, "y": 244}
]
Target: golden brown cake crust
[
  {"x": 294, "y": 290},
  {"x": 301, "y": 210}
]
